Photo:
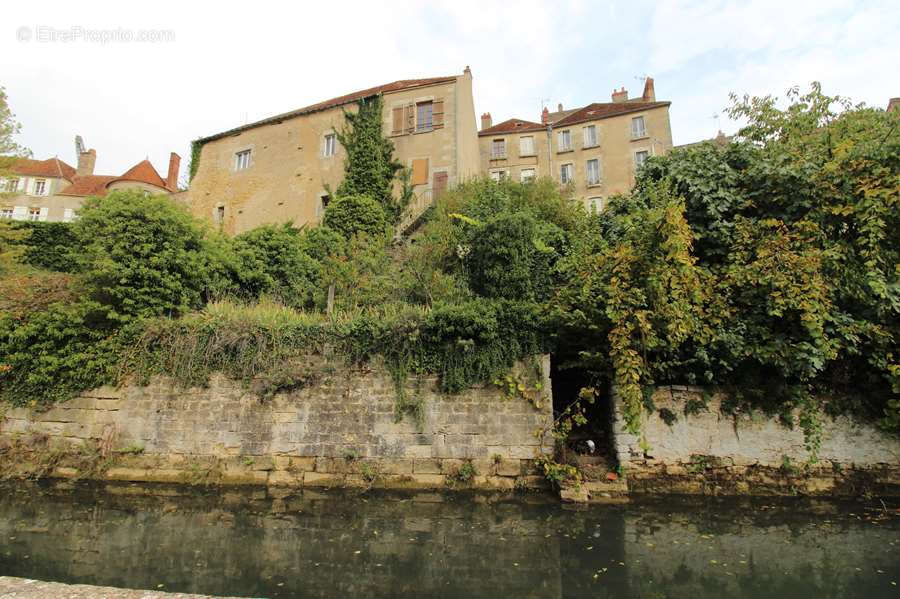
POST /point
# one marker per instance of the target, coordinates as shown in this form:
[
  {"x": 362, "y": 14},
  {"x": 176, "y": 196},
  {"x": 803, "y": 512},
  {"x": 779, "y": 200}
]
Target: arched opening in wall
[{"x": 591, "y": 446}]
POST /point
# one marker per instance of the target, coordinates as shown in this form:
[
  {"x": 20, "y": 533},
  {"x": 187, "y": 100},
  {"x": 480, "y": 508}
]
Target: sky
[{"x": 140, "y": 80}]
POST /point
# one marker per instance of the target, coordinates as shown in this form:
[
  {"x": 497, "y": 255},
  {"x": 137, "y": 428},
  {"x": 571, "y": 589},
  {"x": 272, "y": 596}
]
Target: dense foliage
[
  {"x": 53, "y": 246},
  {"x": 352, "y": 214}
]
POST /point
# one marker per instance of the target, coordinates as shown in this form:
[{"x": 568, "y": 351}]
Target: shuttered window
[
  {"x": 420, "y": 171},
  {"x": 526, "y": 146},
  {"x": 437, "y": 115},
  {"x": 397, "y": 119}
]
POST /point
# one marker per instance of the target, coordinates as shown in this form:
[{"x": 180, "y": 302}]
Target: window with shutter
[
  {"x": 420, "y": 171},
  {"x": 637, "y": 127},
  {"x": 410, "y": 112},
  {"x": 437, "y": 114},
  {"x": 398, "y": 121},
  {"x": 526, "y": 146},
  {"x": 68, "y": 215},
  {"x": 424, "y": 116}
]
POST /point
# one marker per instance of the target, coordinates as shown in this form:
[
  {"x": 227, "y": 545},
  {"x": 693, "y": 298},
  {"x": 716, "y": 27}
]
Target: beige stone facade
[
  {"x": 279, "y": 169},
  {"x": 595, "y": 149}
]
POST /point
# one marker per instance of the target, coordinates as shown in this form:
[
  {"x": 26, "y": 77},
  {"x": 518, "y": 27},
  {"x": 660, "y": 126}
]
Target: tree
[
  {"x": 370, "y": 168},
  {"x": 349, "y": 215},
  {"x": 9, "y": 126}
]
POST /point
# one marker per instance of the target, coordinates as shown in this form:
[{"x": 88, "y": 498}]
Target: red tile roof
[
  {"x": 144, "y": 172},
  {"x": 52, "y": 167},
  {"x": 603, "y": 110},
  {"x": 512, "y": 126},
  {"x": 395, "y": 86},
  {"x": 88, "y": 185}
]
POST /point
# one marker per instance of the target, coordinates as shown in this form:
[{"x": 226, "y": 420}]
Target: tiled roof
[
  {"x": 603, "y": 110},
  {"x": 88, "y": 185},
  {"x": 401, "y": 85},
  {"x": 52, "y": 167},
  {"x": 555, "y": 116},
  {"x": 144, "y": 172},
  {"x": 512, "y": 126}
]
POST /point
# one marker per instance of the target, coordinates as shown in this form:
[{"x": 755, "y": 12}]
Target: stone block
[
  {"x": 282, "y": 478},
  {"x": 61, "y": 472},
  {"x": 499, "y": 483},
  {"x": 418, "y": 451},
  {"x": 395, "y": 465},
  {"x": 509, "y": 467},
  {"x": 258, "y": 477},
  {"x": 577, "y": 494},
  {"x": 321, "y": 479},
  {"x": 426, "y": 466}
]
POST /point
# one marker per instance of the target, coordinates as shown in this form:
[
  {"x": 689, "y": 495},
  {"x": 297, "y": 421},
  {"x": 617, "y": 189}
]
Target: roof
[
  {"x": 144, "y": 172},
  {"x": 395, "y": 86},
  {"x": 605, "y": 110},
  {"x": 512, "y": 126},
  {"x": 560, "y": 114},
  {"x": 88, "y": 185},
  {"x": 52, "y": 167}
]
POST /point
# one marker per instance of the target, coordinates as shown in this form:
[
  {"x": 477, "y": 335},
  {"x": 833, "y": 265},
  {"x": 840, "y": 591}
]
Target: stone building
[
  {"x": 595, "y": 148},
  {"x": 280, "y": 168},
  {"x": 51, "y": 190}
]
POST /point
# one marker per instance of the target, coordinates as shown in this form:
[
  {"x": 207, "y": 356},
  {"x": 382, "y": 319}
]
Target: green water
[{"x": 432, "y": 545}]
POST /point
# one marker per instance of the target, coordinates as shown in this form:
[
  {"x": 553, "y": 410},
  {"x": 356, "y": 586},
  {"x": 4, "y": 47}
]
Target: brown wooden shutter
[
  {"x": 410, "y": 118},
  {"x": 439, "y": 185},
  {"x": 437, "y": 113},
  {"x": 420, "y": 171},
  {"x": 398, "y": 121}
]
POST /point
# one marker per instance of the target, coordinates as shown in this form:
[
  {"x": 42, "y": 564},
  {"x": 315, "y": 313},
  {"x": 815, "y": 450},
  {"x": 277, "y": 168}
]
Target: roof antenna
[{"x": 718, "y": 121}]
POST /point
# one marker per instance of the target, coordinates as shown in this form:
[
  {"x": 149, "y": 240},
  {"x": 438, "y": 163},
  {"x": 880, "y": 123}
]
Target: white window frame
[
  {"x": 329, "y": 145},
  {"x": 243, "y": 159},
  {"x": 526, "y": 151},
  {"x": 527, "y": 179},
  {"x": 639, "y": 164},
  {"x": 11, "y": 184},
  {"x": 68, "y": 215},
  {"x": 499, "y": 175},
  {"x": 638, "y": 132},
  {"x": 495, "y": 155},
  {"x": 565, "y": 134},
  {"x": 597, "y": 204},
  {"x": 34, "y": 214},
  {"x": 587, "y": 169},
  {"x": 589, "y": 143},
  {"x": 7, "y": 212},
  {"x": 40, "y": 187},
  {"x": 569, "y": 169}
]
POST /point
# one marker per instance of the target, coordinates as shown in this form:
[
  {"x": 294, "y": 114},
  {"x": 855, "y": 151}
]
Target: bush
[
  {"x": 322, "y": 241},
  {"x": 353, "y": 214},
  {"x": 271, "y": 261},
  {"x": 143, "y": 255},
  {"x": 53, "y": 246}
]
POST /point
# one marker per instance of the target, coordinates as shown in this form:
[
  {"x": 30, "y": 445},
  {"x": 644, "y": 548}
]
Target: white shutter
[
  {"x": 44, "y": 212},
  {"x": 68, "y": 214},
  {"x": 20, "y": 212}
]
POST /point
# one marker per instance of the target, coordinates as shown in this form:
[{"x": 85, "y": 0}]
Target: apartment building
[
  {"x": 52, "y": 190},
  {"x": 280, "y": 168},
  {"x": 595, "y": 149}
]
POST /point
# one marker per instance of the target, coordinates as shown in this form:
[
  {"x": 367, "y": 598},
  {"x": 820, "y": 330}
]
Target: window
[
  {"x": 527, "y": 175},
  {"x": 12, "y": 185},
  {"x": 40, "y": 187},
  {"x": 419, "y": 171},
  {"x": 565, "y": 173},
  {"x": 640, "y": 158},
  {"x": 593, "y": 172},
  {"x": 498, "y": 149},
  {"x": 499, "y": 175},
  {"x": 34, "y": 214},
  {"x": 6, "y": 213},
  {"x": 322, "y": 204},
  {"x": 597, "y": 204},
  {"x": 242, "y": 160},
  {"x": 424, "y": 113},
  {"x": 590, "y": 136},
  {"x": 565, "y": 141},
  {"x": 220, "y": 215},
  {"x": 68, "y": 215},
  {"x": 330, "y": 145},
  {"x": 526, "y": 146},
  {"x": 637, "y": 127}
]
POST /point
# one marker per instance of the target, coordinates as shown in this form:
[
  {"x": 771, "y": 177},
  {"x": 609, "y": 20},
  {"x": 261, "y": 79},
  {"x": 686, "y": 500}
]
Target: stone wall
[
  {"x": 341, "y": 429},
  {"x": 712, "y": 452}
]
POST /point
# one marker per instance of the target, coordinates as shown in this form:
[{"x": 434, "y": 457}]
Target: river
[{"x": 318, "y": 544}]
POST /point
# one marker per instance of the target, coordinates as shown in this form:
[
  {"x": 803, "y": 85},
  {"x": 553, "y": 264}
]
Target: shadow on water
[{"x": 430, "y": 545}]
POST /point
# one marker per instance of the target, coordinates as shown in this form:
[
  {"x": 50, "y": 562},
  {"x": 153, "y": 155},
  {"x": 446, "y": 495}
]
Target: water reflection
[{"x": 327, "y": 545}]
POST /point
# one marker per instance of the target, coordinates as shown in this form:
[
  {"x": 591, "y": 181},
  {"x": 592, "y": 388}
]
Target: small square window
[
  {"x": 638, "y": 129},
  {"x": 640, "y": 158},
  {"x": 6, "y": 213},
  {"x": 34, "y": 214},
  {"x": 330, "y": 145},
  {"x": 565, "y": 141},
  {"x": 565, "y": 173},
  {"x": 527, "y": 175},
  {"x": 597, "y": 204},
  {"x": 242, "y": 160},
  {"x": 424, "y": 116},
  {"x": 499, "y": 176}
]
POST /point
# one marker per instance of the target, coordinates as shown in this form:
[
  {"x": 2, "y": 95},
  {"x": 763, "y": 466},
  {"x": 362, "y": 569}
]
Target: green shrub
[
  {"x": 349, "y": 215},
  {"x": 142, "y": 255},
  {"x": 321, "y": 242},
  {"x": 53, "y": 246}
]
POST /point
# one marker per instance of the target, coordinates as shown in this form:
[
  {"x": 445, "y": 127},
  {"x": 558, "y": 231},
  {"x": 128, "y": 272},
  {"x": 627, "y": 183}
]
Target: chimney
[
  {"x": 619, "y": 95},
  {"x": 86, "y": 161},
  {"x": 486, "y": 121},
  {"x": 893, "y": 104},
  {"x": 467, "y": 71},
  {"x": 559, "y": 107},
  {"x": 649, "y": 94},
  {"x": 545, "y": 116},
  {"x": 174, "y": 165}
]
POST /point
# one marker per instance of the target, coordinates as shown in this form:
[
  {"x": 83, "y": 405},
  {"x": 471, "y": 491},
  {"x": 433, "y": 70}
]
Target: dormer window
[{"x": 40, "y": 187}]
